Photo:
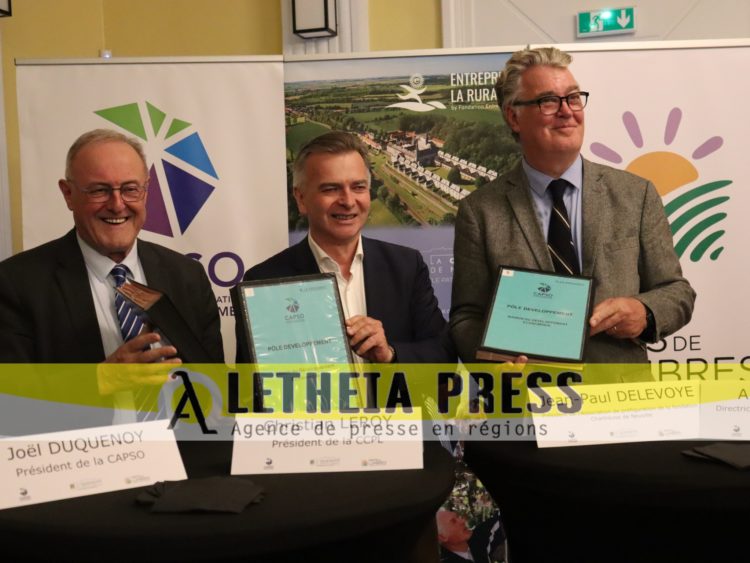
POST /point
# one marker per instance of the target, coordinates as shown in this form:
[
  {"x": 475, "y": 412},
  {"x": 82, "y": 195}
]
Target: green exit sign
[{"x": 606, "y": 22}]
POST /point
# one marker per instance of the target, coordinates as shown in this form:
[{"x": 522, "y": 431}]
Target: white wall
[
  {"x": 353, "y": 31},
  {"x": 485, "y": 23}
]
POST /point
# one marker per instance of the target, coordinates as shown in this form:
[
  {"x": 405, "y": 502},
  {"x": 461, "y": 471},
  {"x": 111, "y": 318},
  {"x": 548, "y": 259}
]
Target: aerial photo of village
[{"x": 433, "y": 139}]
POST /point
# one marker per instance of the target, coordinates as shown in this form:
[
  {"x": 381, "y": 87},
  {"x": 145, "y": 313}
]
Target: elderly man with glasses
[
  {"x": 57, "y": 301},
  {"x": 556, "y": 211}
]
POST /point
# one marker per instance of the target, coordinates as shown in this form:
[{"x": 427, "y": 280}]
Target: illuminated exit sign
[{"x": 605, "y": 22}]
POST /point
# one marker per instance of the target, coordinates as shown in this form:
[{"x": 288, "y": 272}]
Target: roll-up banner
[
  {"x": 668, "y": 112},
  {"x": 214, "y": 139}
]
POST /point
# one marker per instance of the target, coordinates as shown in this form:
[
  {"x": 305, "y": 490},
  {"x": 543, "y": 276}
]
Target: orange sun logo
[{"x": 691, "y": 215}]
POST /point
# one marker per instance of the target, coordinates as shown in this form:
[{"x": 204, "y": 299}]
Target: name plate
[
  {"x": 541, "y": 315},
  {"x": 725, "y": 410},
  {"x": 346, "y": 442},
  {"x": 60, "y": 465},
  {"x": 621, "y": 413},
  {"x": 295, "y": 320}
]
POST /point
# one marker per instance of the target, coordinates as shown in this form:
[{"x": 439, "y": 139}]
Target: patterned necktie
[
  {"x": 130, "y": 321},
  {"x": 559, "y": 237},
  {"x": 131, "y": 325}
]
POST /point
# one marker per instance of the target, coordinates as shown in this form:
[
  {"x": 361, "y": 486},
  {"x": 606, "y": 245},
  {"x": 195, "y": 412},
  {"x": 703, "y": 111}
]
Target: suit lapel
[
  {"x": 593, "y": 202},
  {"x": 303, "y": 260},
  {"x": 73, "y": 281},
  {"x": 156, "y": 273},
  {"x": 523, "y": 209},
  {"x": 372, "y": 268}
]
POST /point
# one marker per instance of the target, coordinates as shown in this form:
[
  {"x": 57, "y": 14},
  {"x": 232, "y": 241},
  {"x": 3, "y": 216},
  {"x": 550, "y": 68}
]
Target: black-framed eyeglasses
[
  {"x": 550, "y": 105},
  {"x": 130, "y": 191}
]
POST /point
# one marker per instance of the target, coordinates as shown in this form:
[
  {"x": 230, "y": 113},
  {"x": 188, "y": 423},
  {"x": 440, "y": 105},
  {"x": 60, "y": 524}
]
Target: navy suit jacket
[
  {"x": 398, "y": 293},
  {"x": 47, "y": 312}
]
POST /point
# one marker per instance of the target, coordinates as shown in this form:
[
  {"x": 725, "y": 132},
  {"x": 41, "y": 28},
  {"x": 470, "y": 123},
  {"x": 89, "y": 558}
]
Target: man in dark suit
[
  {"x": 57, "y": 300},
  {"x": 390, "y": 308},
  {"x": 617, "y": 225}
]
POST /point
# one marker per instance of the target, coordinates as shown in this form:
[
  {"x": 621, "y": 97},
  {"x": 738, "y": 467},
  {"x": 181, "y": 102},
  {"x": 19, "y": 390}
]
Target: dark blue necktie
[
  {"x": 559, "y": 236},
  {"x": 131, "y": 325},
  {"x": 130, "y": 321}
]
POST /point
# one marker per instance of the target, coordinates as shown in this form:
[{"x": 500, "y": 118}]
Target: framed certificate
[
  {"x": 294, "y": 320},
  {"x": 541, "y": 315}
]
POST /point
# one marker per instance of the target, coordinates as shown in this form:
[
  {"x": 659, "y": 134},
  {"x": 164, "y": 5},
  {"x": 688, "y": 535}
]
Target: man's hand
[
  {"x": 619, "y": 317},
  {"x": 138, "y": 351},
  {"x": 367, "y": 338},
  {"x": 518, "y": 364},
  {"x": 113, "y": 377}
]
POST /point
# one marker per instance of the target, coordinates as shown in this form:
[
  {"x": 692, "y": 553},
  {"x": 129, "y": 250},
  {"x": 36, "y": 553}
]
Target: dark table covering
[
  {"x": 616, "y": 502},
  {"x": 363, "y": 516}
]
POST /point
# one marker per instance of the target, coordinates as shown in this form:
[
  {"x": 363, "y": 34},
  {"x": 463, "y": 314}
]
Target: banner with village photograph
[
  {"x": 436, "y": 135},
  {"x": 213, "y": 138}
]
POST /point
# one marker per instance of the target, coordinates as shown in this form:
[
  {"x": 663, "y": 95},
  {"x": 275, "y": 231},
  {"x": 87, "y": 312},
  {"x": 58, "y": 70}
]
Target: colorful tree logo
[
  {"x": 692, "y": 215},
  {"x": 186, "y": 191}
]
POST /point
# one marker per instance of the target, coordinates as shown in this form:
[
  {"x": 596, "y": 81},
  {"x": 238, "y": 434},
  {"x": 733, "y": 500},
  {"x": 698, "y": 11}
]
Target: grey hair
[
  {"x": 333, "y": 142},
  {"x": 102, "y": 136},
  {"x": 509, "y": 82}
]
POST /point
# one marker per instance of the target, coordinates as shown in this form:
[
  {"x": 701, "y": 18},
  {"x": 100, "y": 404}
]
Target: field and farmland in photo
[{"x": 426, "y": 155}]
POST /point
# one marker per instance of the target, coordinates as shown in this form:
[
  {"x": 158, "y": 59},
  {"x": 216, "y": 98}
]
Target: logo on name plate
[
  {"x": 326, "y": 461},
  {"x": 373, "y": 462},
  {"x": 182, "y": 176}
]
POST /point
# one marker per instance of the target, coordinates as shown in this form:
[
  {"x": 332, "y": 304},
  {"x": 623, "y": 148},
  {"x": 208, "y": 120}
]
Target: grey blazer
[{"x": 627, "y": 249}]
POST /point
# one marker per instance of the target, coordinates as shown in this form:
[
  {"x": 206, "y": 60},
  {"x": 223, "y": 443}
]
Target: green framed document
[
  {"x": 294, "y": 320},
  {"x": 541, "y": 315}
]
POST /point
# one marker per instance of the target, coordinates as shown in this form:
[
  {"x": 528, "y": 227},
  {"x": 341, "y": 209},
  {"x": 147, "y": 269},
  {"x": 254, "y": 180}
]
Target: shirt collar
[
  {"x": 322, "y": 257},
  {"x": 101, "y": 265},
  {"x": 538, "y": 181}
]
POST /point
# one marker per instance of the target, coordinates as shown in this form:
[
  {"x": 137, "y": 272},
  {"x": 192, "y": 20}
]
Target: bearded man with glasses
[
  {"x": 614, "y": 222},
  {"x": 57, "y": 301}
]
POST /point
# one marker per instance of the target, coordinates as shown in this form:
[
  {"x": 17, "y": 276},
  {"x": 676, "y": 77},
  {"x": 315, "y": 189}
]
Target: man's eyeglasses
[
  {"x": 129, "y": 192},
  {"x": 550, "y": 105}
]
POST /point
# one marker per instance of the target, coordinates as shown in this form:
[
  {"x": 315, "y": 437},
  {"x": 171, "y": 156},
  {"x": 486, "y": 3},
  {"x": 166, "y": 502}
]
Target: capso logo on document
[
  {"x": 697, "y": 213},
  {"x": 543, "y": 290},
  {"x": 293, "y": 306},
  {"x": 182, "y": 161}
]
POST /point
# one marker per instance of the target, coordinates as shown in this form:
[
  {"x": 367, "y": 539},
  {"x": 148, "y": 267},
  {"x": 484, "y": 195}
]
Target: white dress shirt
[
  {"x": 351, "y": 290},
  {"x": 102, "y": 284},
  {"x": 98, "y": 268}
]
